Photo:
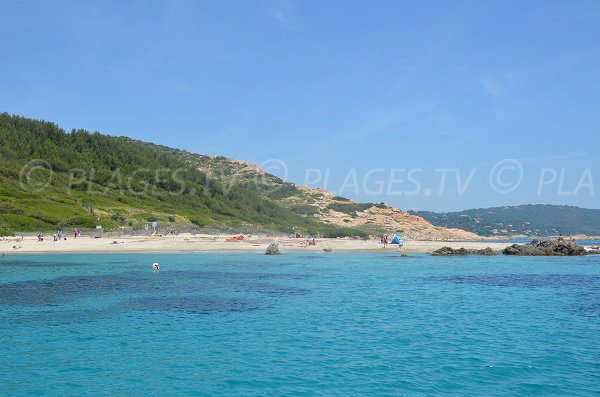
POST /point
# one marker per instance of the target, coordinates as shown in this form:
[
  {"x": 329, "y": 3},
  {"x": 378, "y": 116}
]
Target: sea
[{"x": 337, "y": 324}]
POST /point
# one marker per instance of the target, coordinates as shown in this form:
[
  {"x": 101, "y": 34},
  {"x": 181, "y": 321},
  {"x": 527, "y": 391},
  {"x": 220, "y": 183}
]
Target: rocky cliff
[{"x": 324, "y": 205}]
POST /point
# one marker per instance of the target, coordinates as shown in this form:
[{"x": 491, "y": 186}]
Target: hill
[
  {"x": 51, "y": 179},
  {"x": 527, "y": 220},
  {"x": 94, "y": 179},
  {"x": 319, "y": 204}
]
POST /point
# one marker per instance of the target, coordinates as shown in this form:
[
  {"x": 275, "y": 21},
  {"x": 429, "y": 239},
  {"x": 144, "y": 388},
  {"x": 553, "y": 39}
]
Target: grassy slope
[{"x": 105, "y": 190}]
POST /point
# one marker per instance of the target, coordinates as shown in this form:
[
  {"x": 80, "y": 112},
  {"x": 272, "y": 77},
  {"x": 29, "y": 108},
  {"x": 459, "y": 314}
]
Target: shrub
[
  {"x": 340, "y": 198},
  {"x": 198, "y": 222},
  {"x": 281, "y": 191},
  {"x": 6, "y": 208},
  {"x": 353, "y": 208},
  {"x": 46, "y": 219},
  {"x": 79, "y": 222},
  {"x": 305, "y": 210},
  {"x": 346, "y": 232},
  {"x": 4, "y": 231},
  {"x": 118, "y": 217}
]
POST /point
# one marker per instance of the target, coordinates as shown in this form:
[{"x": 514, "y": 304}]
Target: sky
[{"x": 427, "y": 105}]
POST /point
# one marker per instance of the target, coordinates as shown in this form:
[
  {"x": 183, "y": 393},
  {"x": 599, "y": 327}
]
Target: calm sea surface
[{"x": 315, "y": 324}]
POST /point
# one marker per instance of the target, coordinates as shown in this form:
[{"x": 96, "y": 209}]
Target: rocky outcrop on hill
[
  {"x": 547, "y": 248},
  {"x": 323, "y": 205},
  {"x": 447, "y": 251},
  {"x": 376, "y": 216}
]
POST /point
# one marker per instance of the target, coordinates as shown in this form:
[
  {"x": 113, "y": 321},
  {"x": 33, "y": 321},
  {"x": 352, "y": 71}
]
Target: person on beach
[
  {"x": 385, "y": 240},
  {"x": 75, "y": 232},
  {"x": 561, "y": 237}
]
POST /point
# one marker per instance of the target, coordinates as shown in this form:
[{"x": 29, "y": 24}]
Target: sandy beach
[{"x": 208, "y": 243}]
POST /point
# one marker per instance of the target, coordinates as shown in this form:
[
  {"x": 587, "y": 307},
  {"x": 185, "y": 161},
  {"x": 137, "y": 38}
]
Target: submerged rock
[
  {"x": 273, "y": 248},
  {"x": 546, "y": 248},
  {"x": 448, "y": 251}
]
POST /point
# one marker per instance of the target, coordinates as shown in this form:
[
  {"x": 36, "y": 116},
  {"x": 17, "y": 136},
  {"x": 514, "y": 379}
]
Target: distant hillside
[
  {"x": 50, "y": 180},
  {"x": 528, "y": 220}
]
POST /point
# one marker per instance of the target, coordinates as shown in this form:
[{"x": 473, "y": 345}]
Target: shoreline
[
  {"x": 218, "y": 244},
  {"x": 205, "y": 243}
]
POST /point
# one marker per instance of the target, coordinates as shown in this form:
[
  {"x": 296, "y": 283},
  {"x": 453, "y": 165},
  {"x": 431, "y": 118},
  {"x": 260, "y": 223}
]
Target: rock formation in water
[
  {"x": 273, "y": 248},
  {"x": 534, "y": 248},
  {"x": 547, "y": 248},
  {"x": 447, "y": 251}
]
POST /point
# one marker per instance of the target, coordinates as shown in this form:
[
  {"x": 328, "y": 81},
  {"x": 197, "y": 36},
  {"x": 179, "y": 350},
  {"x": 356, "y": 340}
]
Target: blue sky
[{"x": 356, "y": 95}]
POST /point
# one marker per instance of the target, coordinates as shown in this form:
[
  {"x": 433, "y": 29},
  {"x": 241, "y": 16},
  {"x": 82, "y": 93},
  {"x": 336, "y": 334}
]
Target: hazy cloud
[
  {"x": 491, "y": 86},
  {"x": 281, "y": 11}
]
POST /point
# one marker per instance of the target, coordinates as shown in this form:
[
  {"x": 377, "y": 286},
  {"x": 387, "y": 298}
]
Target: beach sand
[{"x": 208, "y": 243}]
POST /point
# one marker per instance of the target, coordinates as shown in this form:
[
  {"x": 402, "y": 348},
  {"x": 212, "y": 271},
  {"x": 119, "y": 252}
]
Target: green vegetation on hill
[
  {"x": 50, "y": 179},
  {"x": 529, "y": 220},
  {"x": 352, "y": 208}
]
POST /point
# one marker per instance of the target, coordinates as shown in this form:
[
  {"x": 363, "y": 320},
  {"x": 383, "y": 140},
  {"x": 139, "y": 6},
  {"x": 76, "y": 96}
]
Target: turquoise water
[{"x": 337, "y": 324}]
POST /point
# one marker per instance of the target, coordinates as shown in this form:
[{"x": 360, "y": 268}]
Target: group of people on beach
[
  {"x": 58, "y": 236},
  {"x": 396, "y": 239},
  {"x": 308, "y": 242},
  {"x": 151, "y": 229}
]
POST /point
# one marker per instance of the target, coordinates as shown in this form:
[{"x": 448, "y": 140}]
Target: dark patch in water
[
  {"x": 190, "y": 304},
  {"x": 26, "y": 263},
  {"x": 68, "y": 288},
  {"x": 583, "y": 287},
  {"x": 588, "y": 302},
  {"x": 269, "y": 288},
  {"x": 588, "y": 309},
  {"x": 193, "y": 304},
  {"x": 55, "y": 291},
  {"x": 54, "y": 317},
  {"x": 524, "y": 280}
]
